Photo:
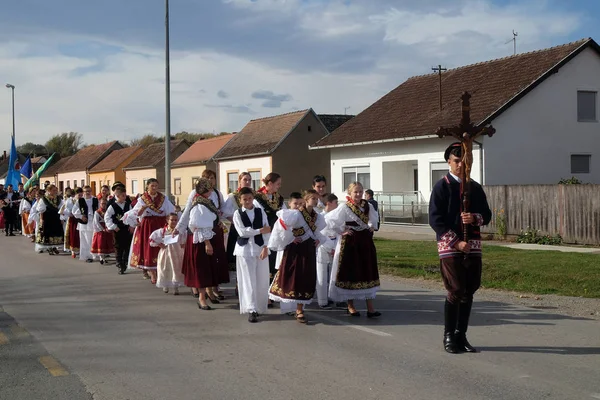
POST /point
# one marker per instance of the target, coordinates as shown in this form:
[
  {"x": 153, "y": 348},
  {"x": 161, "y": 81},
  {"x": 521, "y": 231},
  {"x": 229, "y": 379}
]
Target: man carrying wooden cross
[{"x": 457, "y": 209}]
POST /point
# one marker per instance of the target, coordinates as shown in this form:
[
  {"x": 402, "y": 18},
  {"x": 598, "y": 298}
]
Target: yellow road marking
[
  {"x": 53, "y": 366},
  {"x": 19, "y": 332},
  {"x": 3, "y": 339}
]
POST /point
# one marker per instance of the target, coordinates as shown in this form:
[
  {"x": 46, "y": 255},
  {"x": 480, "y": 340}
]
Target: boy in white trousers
[{"x": 325, "y": 256}]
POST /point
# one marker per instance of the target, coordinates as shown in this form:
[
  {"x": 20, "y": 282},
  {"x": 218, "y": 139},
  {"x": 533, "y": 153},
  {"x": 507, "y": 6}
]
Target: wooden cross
[{"x": 465, "y": 132}]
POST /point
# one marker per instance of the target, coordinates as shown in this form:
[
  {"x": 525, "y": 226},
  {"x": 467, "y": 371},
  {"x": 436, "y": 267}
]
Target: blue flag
[
  {"x": 14, "y": 168},
  {"x": 26, "y": 169}
]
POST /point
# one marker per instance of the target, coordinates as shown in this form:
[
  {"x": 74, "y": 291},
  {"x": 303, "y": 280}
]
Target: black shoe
[
  {"x": 206, "y": 308},
  {"x": 353, "y": 314},
  {"x": 450, "y": 344},
  {"x": 253, "y": 317},
  {"x": 463, "y": 344},
  {"x": 101, "y": 262},
  {"x": 325, "y": 307},
  {"x": 121, "y": 272},
  {"x": 11, "y": 234},
  {"x": 213, "y": 301},
  {"x": 373, "y": 314},
  {"x": 270, "y": 305},
  {"x": 89, "y": 260}
]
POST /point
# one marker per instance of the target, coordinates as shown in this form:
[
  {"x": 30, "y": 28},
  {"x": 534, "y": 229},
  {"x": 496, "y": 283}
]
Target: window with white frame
[
  {"x": 134, "y": 187},
  {"x": 438, "y": 171},
  {"x": 82, "y": 183},
  {"x": 357, "y": 174},
  {"x": 580, "y": 163},
  {"x": 177, "y": 186},
  {"x": 586, "y": 106},
  {"x": 255, "y": 175},
  {"x": 232, "y": 182}
]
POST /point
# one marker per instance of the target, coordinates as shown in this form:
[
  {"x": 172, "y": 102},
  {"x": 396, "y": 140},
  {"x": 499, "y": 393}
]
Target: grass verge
[{"x": 530, "y": 271}]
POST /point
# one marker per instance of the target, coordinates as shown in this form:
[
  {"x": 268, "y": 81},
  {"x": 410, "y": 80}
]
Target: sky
[{"x": 98, "y": 67}]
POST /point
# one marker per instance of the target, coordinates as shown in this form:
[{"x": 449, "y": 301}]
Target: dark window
[
  {"x": 580, "y": 163},
  {"x": 309, "y": 128},
  {"x": 586, "y": 106}
]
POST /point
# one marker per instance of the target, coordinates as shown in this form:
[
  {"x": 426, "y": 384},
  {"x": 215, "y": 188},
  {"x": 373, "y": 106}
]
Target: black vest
[
  {"x": 256, "y": 224},
  {"x": 117, "y": 217},
  {"x": 83, "y": 207}
]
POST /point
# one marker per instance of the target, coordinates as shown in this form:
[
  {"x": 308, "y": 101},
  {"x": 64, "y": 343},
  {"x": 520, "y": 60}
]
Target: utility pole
[
  {"x": 168, "y": 106},
  {"x": 439, "y": 70}
]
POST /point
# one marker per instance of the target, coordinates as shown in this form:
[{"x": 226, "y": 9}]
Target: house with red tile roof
[
  {"x": 188, "y": 167},
  {"x": 110, "y": 169},
  {"x": 277, "y": 144},
  {"x": 543, "y": 104},
  {"x": 76, "y": 171}
]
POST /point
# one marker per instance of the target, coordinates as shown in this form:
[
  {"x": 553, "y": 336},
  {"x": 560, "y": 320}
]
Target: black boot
[
  {"x": 450, "y": 316},
  {"x": 464, "y": 312}
]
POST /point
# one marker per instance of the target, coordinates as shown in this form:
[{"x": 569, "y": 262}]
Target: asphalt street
[{"x": 71, "y": 330}]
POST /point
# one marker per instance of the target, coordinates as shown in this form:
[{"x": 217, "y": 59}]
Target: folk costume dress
[
  {"x": 85, "y": 208},
  {"x": 354, "y": 273},
  {"x": 71, "y": 232},
  {"x": 144, "y": 256},
  {"x": 252, "y": 272},
  {"x": 103, "y": 240},
  {"x": 296, "y": 277},
  {"x": 50, "y": 232},
  {"x": 34, "y": 221},
  {"x": 24, "y": 210},
  {"x": 271, "y": 203},
  {"x": 170, "y": 259},
  {"x": 200, "y": 269}
]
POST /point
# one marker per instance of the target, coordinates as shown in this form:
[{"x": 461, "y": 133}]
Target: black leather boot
[
  {"x": 450, "y": 316},
  {"x": 464, "y": 312}
]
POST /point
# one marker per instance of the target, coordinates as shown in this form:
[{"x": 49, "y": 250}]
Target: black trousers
[
  {"x": 461, "y": 277},
  {"x": 10, "y": 219},
  {"x": 122, "y": 245}
]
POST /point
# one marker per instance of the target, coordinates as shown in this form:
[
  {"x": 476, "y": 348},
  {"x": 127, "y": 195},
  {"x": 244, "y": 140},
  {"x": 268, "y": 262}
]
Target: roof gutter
[
  {"x": 264, "y": 153},
  {"x": 403, "y": 139}
]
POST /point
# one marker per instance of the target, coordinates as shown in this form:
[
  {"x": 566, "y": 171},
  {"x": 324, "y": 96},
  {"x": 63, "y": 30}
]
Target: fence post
[{"x": 412, "y": 211}]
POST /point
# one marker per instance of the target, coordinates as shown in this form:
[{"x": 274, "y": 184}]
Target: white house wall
[
  {"x": 423, "y": 151},
  {"x": 260, "y": 164},
  {"x": 536, "y": 136}
]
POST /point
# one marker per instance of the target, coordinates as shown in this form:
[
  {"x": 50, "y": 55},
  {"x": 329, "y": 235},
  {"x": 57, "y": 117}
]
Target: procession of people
[{"x": 292, "y": 252}]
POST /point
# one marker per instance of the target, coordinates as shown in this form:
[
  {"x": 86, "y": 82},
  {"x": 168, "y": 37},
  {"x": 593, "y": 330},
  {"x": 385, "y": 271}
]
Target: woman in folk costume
[
  {"x": 34, "y": 217},
  {"x": 71, "y": 232},
  {"x": 354, "y": 273},
  {"x": 103, "y": 240},
  {"x": 152, "y": 208},
  {"x": 232, "y": 204},
  {"x": 205, "y": 257},
  {"x": 170, "y": 257},
  {"x": 297, "y": 234},
  {"x": 24, "y": 210},
  {"x": 252, "y": 228},
  {"x": 268, "y": 198},
  {"x": 50, "y": 233}
]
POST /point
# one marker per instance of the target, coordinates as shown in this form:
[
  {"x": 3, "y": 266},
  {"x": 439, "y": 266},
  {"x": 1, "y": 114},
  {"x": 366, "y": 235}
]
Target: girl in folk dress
[
  {"x": 298, "y": 234},
  {"x": 354, "y": 274},
  {"x": 71, "y": 232},
  {"x": 204, "y": 259},
  {"x": 24, "y": 210},
  {"x": 103, "y": 240},
  {"x": 34, "y": 217},
  {"x": 50, "y": 232},
  {"x": 170, "y": 257},
  {"x": 152, "y": 208}
]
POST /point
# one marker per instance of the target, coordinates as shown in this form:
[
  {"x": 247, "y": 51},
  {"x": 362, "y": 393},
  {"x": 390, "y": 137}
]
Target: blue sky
[{"x": 97, "y": 67}]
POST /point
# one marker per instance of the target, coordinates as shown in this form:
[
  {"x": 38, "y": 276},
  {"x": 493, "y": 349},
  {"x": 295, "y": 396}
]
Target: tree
[
  {"x": 146, "y": 140},
  {"x": 32, "y": 148},
  {"x": 65, "y": 144}
]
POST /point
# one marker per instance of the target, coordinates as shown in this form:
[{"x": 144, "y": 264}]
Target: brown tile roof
[
  {"x": 39, "y": 160},
  {"x": 56, "y": 167},
  {"x": 152, "y": 155},
  {"x": 261, "y": 136},
  {"x": 114, "y": 159},
  {"x": 412, "y": 109},
  {"x": 89, "y": 156},
  {"x": 334, "y": 121},
  {"x": 202, "y": 151}
]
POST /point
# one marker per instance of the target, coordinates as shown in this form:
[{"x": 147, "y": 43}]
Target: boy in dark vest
[
  {"x": 113, "y": 218},
  {"x": 252, "y": 263},
  {"x": 460, "y": 261},
  {"x": 84, "y": 211}
]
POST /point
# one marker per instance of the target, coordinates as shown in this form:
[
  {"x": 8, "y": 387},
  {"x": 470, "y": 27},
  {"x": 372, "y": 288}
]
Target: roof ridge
[
  {"x": 280, "y": 115},
  {"x": 213, "y": 138},
  {"x": 515, "y": 56}
]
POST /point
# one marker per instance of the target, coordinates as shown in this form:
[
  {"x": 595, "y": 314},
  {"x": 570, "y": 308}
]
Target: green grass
[{"x": 529, "y": 271}]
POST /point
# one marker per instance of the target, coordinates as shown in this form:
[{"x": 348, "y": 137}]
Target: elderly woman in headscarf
[{"x": 205, "y": 254}]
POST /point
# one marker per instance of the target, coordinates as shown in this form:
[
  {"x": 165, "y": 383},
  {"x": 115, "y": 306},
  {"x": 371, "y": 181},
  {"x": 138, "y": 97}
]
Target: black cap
[
  {"x": 116, "y": 185},
  {"x": 450, "y": 148}
]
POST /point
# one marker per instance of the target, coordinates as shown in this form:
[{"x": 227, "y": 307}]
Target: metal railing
[{"x": 402, "y": 208}]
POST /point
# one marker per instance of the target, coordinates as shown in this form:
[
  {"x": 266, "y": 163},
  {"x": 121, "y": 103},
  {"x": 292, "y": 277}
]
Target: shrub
[
  {"x": 570, "y": 181},
  {"x": 500, "y": 223},
  {"x": 533, "y": 236}
]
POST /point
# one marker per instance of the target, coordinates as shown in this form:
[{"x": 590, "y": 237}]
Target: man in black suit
[
  {"x": 10, "y": 206},
  {"x": 369, "y": 197}
]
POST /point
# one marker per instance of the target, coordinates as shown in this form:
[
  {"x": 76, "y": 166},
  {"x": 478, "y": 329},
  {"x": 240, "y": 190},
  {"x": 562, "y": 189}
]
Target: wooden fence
[{"x": 573, "y": 211}]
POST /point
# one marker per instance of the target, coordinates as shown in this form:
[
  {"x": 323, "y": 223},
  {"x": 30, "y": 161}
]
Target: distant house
[
  {"x": 76, "y": 172},
  {"x": 4, "y": 164},
  {"x": 150, "y": 163},
  {"x": 275, "y": 144},
  {"x": 51, "y": 174},
  {"x": 188, "y": 167},
  {"x": 543, "y": 104},
  {"x": 110, "y": 169}
]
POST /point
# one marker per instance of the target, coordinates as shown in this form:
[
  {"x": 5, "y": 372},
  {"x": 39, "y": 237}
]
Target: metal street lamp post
[
  {"x": 168, "y": 106},
  {"x": 12, "y": 88}
]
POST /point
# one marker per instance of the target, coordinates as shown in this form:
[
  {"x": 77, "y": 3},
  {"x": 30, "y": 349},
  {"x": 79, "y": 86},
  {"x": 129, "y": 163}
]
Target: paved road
[{"x": 117, "y": 337}]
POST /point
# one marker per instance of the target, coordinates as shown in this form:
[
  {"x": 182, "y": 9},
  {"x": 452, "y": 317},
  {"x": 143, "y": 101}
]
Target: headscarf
[{"x": 203, "y": 186}]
